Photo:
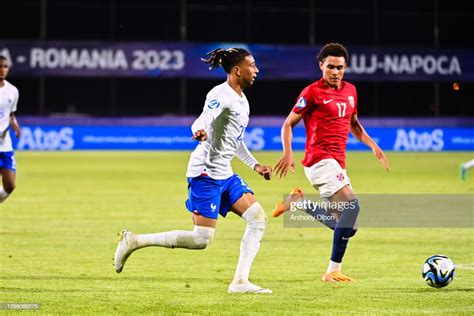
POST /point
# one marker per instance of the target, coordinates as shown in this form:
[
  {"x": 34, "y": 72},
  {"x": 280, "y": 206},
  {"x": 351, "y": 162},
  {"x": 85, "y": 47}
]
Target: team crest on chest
[{"x": 351, "y": 100}]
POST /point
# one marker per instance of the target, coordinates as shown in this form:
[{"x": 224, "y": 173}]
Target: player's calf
[
  {"x": 256, "y": 223},
  {"x": 199, "y": 238},
  {"x": 8, "y": 177},
  {"x": 344, "y": 230}
]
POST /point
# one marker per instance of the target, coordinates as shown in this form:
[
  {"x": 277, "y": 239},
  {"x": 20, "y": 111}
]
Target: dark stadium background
[{"x": 370, "y": 23}]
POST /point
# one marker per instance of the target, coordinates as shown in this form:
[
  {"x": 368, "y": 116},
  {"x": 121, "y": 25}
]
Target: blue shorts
[
  {"x": 209, "y": 197},
  {"x": 7, "y": 160}
]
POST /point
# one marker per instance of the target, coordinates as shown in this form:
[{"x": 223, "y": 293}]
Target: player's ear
[
  {"x": 321, "y": 66},
  {"x": 236, "y": 70}
]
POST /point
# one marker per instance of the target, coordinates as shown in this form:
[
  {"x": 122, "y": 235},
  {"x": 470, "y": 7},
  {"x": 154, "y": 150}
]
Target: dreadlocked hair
[{"x": 227, "y": 58}]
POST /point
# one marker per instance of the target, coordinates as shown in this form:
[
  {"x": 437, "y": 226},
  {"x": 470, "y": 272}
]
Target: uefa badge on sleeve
[
  {"x": 213, "y": 104},
  {"x": 301, "y": 103}
]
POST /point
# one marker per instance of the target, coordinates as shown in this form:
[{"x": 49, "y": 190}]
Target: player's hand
[
  {"x": 200, "y": 135},
  {"x": 381, "y": 157},
  {"x": 264, "y": 171},
  {"x": 286, "y": 162}
]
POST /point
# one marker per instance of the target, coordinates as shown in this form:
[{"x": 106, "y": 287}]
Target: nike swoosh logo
[{"x": 327, "y": 101}]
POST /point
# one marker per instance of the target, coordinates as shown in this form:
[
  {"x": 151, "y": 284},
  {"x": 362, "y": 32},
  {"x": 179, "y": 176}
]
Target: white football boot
[
  {"x": 247, "y": 287},
  {"x": 125, "y": 247}
]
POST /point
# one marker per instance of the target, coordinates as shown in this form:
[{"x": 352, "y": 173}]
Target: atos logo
[
  {"x": 414, "y": 141},
  {"x": 39, "y": 139}
]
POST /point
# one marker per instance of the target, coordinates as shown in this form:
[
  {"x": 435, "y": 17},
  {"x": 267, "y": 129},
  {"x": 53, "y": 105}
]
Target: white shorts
[{"x": 327, "y": 176}]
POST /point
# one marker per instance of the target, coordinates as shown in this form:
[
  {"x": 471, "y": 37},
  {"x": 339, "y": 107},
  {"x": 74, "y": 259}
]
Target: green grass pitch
[{"x": 58, "y": 235}]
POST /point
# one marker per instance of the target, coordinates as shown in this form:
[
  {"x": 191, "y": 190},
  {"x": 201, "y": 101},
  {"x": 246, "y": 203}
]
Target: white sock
[
  {"x": 199, "y": 238},
  {"x": 334, "y": 266},
  {"x": 468, "y": 164},
  {"x": 3, "y": 194},
  {"x": 256, "y": 221}
]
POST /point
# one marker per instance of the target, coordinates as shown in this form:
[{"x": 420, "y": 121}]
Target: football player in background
[
  {"x": 465, "y": 167},
  {"x": 8, "y": 103}
]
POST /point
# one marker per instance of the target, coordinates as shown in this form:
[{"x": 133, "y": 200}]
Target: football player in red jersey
[{"x": 328, "y": 108}]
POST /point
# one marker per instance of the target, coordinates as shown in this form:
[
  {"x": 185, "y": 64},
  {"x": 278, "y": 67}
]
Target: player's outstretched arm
[
  {"x": 287, "y": 161},
  {"x": 359, "y": 132},
  {"x": 14, "y": 124}
]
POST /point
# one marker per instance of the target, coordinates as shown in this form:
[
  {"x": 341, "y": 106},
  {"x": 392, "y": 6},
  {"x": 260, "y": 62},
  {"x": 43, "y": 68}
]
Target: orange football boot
[
  {"x": 337, "y": 276},
  {"x": 295, "y": 195}
]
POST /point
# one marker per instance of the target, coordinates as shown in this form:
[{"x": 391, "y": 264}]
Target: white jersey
[
  {"x": 8, "y": 101},
  {"x": 224, "y": 118}
]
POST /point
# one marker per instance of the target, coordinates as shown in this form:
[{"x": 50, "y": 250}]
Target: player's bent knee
[
  {"x": 348, "y": 218},
  {"x": 203, "y": 237},
  {"x": 255, "y": 216},
  {"x": 354, "y": 207},
  {"x": 351, "y": 211}
]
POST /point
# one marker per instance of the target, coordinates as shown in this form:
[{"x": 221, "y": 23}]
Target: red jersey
[{"x": 327, "y": 114}]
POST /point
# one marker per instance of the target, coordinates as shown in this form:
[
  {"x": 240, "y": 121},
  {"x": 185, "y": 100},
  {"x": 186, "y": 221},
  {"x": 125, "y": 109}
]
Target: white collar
[{"x": 240, "y": 98}]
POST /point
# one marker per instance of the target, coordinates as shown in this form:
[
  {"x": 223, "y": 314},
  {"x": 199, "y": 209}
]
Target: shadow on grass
[
  {"x": 444, "y": 290},
  {"x": 118, "y": 278}
]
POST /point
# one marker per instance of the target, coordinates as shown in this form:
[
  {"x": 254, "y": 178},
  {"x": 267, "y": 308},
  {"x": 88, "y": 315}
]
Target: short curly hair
[{"x": 333, "y": 49}]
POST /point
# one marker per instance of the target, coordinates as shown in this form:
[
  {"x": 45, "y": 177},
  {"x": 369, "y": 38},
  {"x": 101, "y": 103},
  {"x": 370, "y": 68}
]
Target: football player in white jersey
[
  {"x": 213, "y": 187},
  {"x": 8, "y": 102}
]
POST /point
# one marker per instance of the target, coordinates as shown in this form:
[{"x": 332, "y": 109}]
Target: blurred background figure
[
  {"x": 465, "y": 167},
  {"x": 8, "y": 102}
]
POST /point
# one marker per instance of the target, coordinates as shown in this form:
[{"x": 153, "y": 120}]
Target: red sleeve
[
  {"x": 355, "y": 102},
  {"x": 304, "y": 101}
]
